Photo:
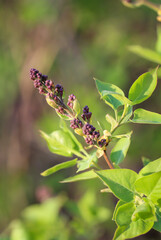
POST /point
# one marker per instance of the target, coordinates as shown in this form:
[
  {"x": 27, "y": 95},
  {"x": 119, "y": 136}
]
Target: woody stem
[{"x": 108, "y": 161}]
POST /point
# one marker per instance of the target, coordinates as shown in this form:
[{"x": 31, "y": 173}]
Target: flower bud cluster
[
  {"x": 54, "y": 98},
  {"x": 76, "y": 123},
  {"x": 102, "y": 143},
  {"x": 86, "y": 114},
  {"x": 71, "y": 99}
]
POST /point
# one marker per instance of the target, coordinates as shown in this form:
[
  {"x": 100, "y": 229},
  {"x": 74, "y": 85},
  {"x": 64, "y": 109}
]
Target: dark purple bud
[
  {"x": 33, "y": 73},
  {"x": 70, "y": 104},
  {"x": 37, "y": 83},
  {"x": 71, "y": 98},
  {"x": 88, "y": 129},
  {"x": 102, "y": 142},
  {"x": 48, "y": 84},
  {"x": 44, "y": 78},
  {"x": 86, "y": 114},
  {"x": 39, "y": 75},
  {"x": 89, "y": 140},
  {"x": 59, "y": 90},
  {"x": 86, "y": 109},
  {"x": 76, "y": 123},
  {"x": 95, "y": 135},
  {"x": 60, "y": 110},
  {"x": 42, "y": 90}
]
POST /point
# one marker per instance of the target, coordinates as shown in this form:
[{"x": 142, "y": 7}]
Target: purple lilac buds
[
  {"x": 71, "y": 99},
  {"x": 89, "y": 140},
  {"x": 76, "y": 123},
  {"x": 48, "y": 84},
  {"x": 86, "y": 114},
  {"x": 88, "y": 129},
  {"x": 59, "y": 90},
  {"x": 102, "y": 142},
  {"x": 33, "y": 73}
]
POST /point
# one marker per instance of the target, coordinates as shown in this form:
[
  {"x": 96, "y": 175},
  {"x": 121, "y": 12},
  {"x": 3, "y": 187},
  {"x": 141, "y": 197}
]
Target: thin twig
[{"x": 108, "y": 160}]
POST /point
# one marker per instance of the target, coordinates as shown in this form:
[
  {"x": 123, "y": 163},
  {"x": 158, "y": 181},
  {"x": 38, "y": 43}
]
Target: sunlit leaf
[
  {"x": 111, "y": 94},
  {"x": 150, "y": 186},
  {"x": 60, "y": 142},
  {"x": 58, "y": 167},
  {"x": 151, "y": 167},
  {"x": 157, "y": 224},
  {"x": 143, "y": 87},
  {"x": 82, "y": 176},
  {"x": 146, "y": 117},
  {"x": 119, "y": 151},
  {"x": 86, "y": 162},
  {"x": 133, "y": 230},
  {"x": 124, "y": 214},
  {"x": 120, "y": 181}
]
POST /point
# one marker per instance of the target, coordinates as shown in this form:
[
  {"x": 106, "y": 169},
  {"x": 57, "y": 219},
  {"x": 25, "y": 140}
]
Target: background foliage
[{"x": 72, "y": 41}]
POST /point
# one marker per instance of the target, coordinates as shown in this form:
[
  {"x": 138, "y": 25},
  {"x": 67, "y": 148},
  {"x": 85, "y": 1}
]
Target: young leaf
[
  {"x": 133, "y": 230},
  {"x": 60, "y": 142},
  {"x": 144, "y": 211},
  {"x": 143, "y": 87},
  {"x": 82, "y": 176},
  {"x": 128, "y": 113},
  {"x": 110, "y": 94},
  {"x": 124, "y": 214},
  {"x": 146, "y": 117},
  {"x": 86, "y": 162},
  {"x": 157, "y": 224},
  {"x": 76, "y": 107},
  {"x": 59, "y": 167},
  {"x": 120, "y": 181},
  {"x": 151, "y": 167},
  {"x": 64, "y": 127},
  {"x": 111, "y": 121},
  {"x": 119, "y": 203},
  {"x": 146, "y": 53},
  {"x": 119, "y": 151},
  {"x": 150, "y": 186}
]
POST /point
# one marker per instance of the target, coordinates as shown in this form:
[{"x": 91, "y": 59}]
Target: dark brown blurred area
[{"x": 71, "y": 41}]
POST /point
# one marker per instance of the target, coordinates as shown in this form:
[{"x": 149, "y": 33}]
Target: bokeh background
[{"x": 72, "y": 41}]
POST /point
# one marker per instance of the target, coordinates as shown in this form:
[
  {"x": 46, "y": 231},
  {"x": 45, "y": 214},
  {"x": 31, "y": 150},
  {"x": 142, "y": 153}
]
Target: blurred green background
[{"x": 72, "y": 41}]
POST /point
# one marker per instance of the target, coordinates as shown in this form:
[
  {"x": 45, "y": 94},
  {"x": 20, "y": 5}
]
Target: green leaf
[
  {"x": 76, "y": 107},
  {"x": 115, "y": 100},
  {"x": 64, "y": 127},
  {"x": 146, "y": 53},
  {"x": 143, "y": 87},
  {"x": 120, "y": 181},
  {"x": 86, "y": 162},
  {"x": 128, "y": 113},
  {"x": 124, "y": 214},
  {"x": 133, "y": 230},
  {"x": 151, "y": 167},
  {"x": 150, "y": 186},
  {"x": 59, "y": 167},
  {"x": 157, "y": 224},
  {"x": 126, "y": 135},
  {"x": 146, "y": 117},
  {"x": 60, "y": 142},
  {"x": 144, "y": 211},
  {"x": 113, "y": 123},
  {"x": 111, "y": 94},
  {"x": 119, "y": 203},
  {"x": 119, "y": 151},
  {"x": 82, "y": 176}
]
